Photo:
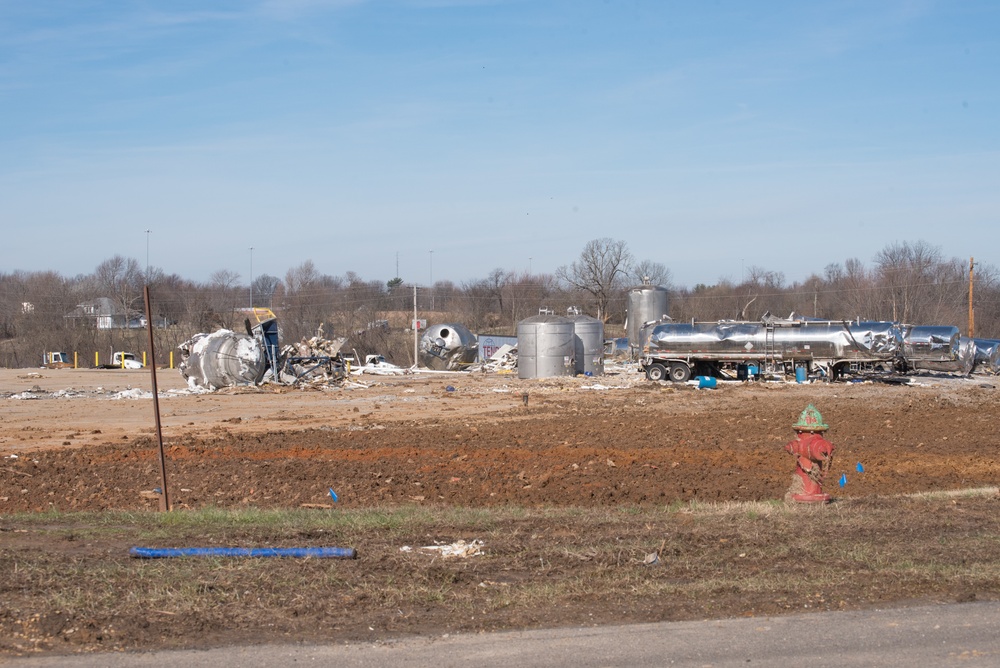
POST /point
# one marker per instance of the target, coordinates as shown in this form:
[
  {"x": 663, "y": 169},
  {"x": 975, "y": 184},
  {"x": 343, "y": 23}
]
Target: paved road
[{"x": 945, "y": 635}]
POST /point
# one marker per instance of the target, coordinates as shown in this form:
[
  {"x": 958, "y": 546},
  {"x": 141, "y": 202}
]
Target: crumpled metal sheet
[
  {"x": 963, "y": 361},
  {"x": 930, "y": 343},
  {"x": 987, "y": 355},
  {"x": 448, "y": 347},
  {"x": 738, "y": 340},
  {"x": 222, "y": 359}
]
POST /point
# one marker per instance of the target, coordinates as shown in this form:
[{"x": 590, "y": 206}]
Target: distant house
[{"x": 102, "y": 313}]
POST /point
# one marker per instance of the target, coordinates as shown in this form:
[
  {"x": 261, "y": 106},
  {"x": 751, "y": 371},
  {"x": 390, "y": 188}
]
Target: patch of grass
[{"x": 540, "y": 566}]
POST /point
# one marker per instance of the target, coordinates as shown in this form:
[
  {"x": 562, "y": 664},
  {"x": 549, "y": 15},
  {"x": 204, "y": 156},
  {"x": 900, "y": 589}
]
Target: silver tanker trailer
[{"x": 832, "y": 348}]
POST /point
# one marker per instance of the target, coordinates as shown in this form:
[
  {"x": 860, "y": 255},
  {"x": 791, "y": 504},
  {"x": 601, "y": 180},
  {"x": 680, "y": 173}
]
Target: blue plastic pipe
[{"x": 299, "y": 552}]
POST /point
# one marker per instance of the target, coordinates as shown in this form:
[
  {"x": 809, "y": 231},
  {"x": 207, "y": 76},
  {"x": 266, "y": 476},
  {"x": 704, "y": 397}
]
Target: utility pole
[
  {"x": 416, "y": 328},
  {"x": 972, "y": 313},
  {"x": 251, "y": 279},
  {"x": 147, "y": 256}
]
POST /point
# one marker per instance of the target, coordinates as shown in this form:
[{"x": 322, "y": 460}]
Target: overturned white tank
[
  {"x": 448, "y": 347},
  {"x": 222, "y": 359}
]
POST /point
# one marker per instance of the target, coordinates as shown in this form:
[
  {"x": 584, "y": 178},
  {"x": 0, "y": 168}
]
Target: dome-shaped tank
[
  {"x": 646, "y": 303},
  {"x": 588, "y": 345},
  {"x": 448, "y": 347},
  {"x": 544, "y": 347}
]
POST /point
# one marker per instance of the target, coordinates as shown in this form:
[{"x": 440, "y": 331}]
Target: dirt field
[
  {"x": 82, "y": 440},
  {"x": 81, "y": 446}
]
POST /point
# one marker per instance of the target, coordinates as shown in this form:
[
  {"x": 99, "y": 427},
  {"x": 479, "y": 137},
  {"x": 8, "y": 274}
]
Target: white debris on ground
[
  {"x": 101, "y": 393},
  {"x": 28, "y": 394},
  {"x": 380, "y": 368},
  {"x": 459, "y": 548},
  {"x": 503, "y": 360}
]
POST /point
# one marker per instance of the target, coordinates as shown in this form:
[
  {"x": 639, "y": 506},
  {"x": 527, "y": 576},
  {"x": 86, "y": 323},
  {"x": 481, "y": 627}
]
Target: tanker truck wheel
[
  {"x": 679, "y": 372},
  {"x": 656, "y": 372}
]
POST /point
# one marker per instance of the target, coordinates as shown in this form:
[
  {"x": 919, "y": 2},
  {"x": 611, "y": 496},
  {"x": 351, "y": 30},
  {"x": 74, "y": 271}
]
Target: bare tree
[
  {"x": 655, "y": 273},
  {"x": 264, "y": 287},
  {"x": 121, "y": 280},
  {"x": 224, "y": 297},
  {"x": 308, "y": 298},
  {"x": 601, "y": 271},
  {"x": 906, "y": 274}
]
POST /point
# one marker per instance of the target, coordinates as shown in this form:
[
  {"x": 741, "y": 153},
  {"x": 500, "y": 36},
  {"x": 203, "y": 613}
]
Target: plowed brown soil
[{"x": 410, "y": 439}]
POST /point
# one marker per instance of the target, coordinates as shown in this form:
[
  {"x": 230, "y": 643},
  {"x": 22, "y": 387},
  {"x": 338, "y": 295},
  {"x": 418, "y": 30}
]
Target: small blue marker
[
  {"x": 333, "y": 495},
  {"x": 843, "y": 479},
  {"x": 861, "y": 469}
]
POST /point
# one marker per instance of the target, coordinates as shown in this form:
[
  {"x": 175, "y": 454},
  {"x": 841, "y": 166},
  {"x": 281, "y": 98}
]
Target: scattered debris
[
  {"x": 504, "y": 360},
  {"x": 377, "y": 366},
  {"x": 459, "y": 548}
]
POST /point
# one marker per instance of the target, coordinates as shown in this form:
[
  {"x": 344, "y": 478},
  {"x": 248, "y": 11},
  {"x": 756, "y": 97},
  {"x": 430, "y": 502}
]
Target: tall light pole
[
  {"x": 147, "y": 256},
  {"x": 529, "y": 266},
  {"x": 431, "y": 278},
  {"x": 251, "y": 279}
]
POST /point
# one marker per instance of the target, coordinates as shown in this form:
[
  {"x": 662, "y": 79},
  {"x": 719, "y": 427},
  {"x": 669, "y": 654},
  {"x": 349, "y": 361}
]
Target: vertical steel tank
[
  {"x": 544, "y": 347},
  {"x": 646, "y": 303},
  {"x": 588, "y": 345}
]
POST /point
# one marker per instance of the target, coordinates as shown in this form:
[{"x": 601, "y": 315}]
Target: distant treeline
[{"x": 44, "y": 311}]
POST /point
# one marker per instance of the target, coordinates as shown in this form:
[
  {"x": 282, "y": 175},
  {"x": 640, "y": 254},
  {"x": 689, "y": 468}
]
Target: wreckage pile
[
  {"x": 317, "y": 360},
  {"x": 229, "y": 359},
  {"x": 226, "y": 358}
]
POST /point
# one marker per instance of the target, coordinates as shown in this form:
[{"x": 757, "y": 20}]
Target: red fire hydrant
[{"x": 814, "y": 455}]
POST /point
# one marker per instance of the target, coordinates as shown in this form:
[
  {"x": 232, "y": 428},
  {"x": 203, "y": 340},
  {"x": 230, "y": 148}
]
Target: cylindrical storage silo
[
  {"x": 646, "y": 303},
  {"x": 588, "y": 345},
  {"x": 544, "y": 347}
]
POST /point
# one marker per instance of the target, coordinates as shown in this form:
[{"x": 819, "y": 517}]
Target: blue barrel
[
  {"x": 800, "y": 374},
  {"x": 706, "y": 382}
]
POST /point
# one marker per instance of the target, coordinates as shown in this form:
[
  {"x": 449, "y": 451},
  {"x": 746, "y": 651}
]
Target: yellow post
[
  {"x": 121, "y": 357},
  {"x": 75, "y": 360},
  {"x": 171, "y": 359},
  {"x": 97, "y": 359},
  {"x": 144, "y": 358}
]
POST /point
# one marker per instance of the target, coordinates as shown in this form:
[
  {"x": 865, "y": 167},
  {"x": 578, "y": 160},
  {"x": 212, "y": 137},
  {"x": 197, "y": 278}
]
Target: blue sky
[{"x": 710, "y": 136}]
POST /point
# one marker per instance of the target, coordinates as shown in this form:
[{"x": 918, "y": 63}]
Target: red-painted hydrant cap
[{"x": 810, "y": 420}]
